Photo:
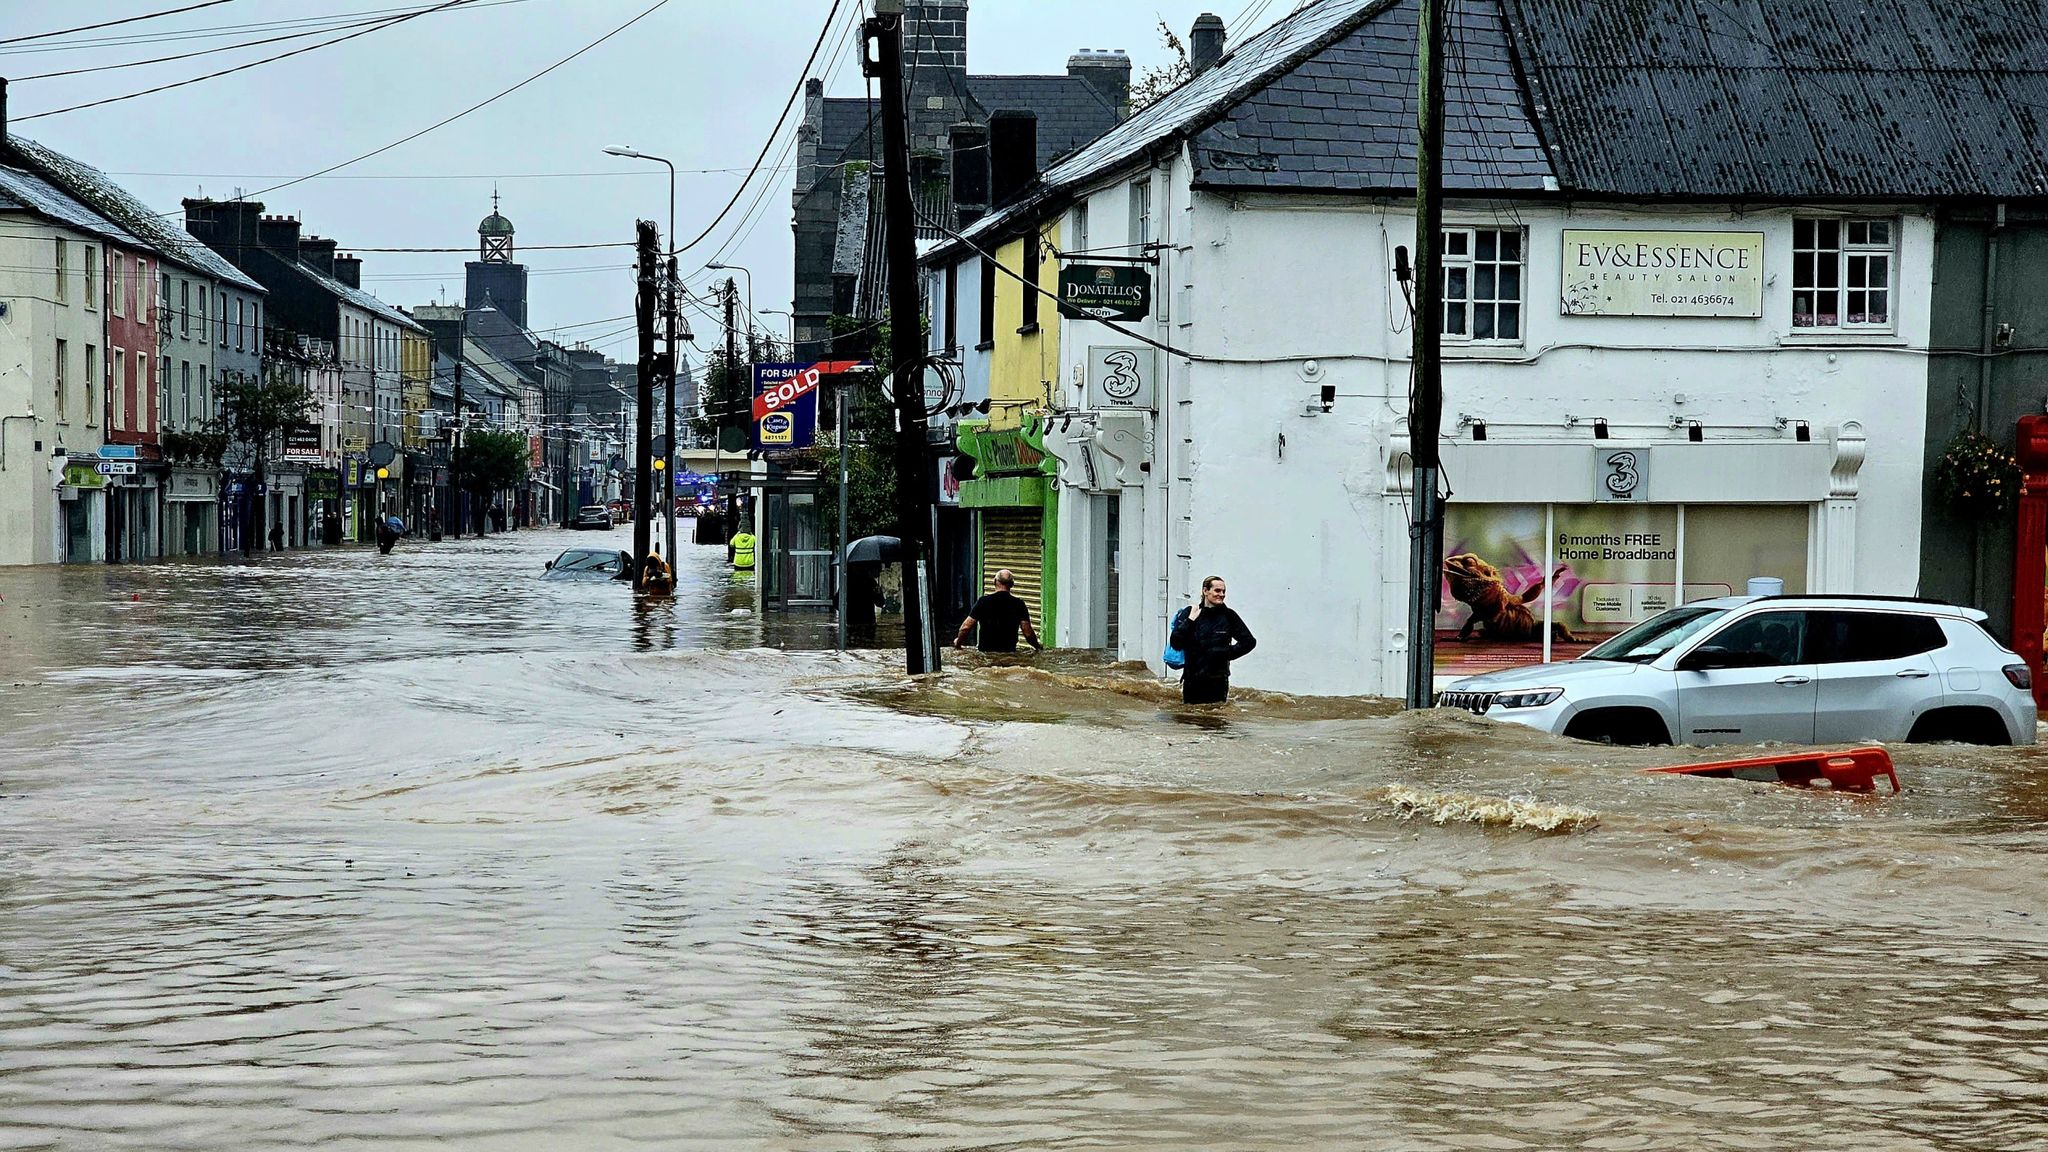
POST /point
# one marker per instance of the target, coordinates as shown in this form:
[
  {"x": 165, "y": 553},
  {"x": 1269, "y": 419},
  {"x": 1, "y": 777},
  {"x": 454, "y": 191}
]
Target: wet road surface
[{"x": 345, "y": 851}]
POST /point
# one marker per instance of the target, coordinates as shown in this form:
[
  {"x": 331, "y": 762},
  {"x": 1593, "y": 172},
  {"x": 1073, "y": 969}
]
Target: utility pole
[
  {"x": 883, "y": 60},
  {"x": 732, "y": 369},
  {"x": 455, "y": 489},
  {"x": 675, "y": 357},
  {"x": 643, "y": 418},
  {"x": 1425, "y": 412},
  {"x": 839, "y": 390}
]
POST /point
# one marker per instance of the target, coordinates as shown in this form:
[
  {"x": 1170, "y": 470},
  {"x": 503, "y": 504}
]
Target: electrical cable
[
  {"x": 112, "y": 23},
  {"x": 251, "y": 64},
  {"x": 658, "y": 4},
  {"x": 333, "y": 20},
  {"x": 191, "y": 54},
  {"x": 831, "y": 19}
]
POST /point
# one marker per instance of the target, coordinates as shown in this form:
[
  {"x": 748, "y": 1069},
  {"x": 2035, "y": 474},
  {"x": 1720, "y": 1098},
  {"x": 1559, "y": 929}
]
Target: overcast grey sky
[{"x": 698, "y": 81}]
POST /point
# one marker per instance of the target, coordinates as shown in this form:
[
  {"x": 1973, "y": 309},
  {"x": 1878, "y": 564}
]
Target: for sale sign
[{"x": 786, "y": 401}]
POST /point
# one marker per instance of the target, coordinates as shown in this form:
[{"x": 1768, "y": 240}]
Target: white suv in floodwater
[{"x": 1796, "y": 669}]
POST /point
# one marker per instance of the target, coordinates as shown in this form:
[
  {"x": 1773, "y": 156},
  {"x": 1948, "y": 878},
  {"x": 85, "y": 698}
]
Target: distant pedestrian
[
  {"x": 1000, "y": 615},
  {"x": 1212, "y": 635},
  {"x": 277, "y": 537},
  {"x": 497, "y": 517},
  {"x": 739, "y": 551}
]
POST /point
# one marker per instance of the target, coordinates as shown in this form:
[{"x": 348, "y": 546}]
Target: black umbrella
[{"x": 874, "y": 550}]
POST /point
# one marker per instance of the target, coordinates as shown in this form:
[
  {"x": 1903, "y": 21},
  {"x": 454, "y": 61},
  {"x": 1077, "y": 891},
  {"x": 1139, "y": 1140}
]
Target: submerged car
[
  {"x": 593, "y": 516},
  {"x": 590, "y": 564},
  {"x": 1792, "y": 669}
]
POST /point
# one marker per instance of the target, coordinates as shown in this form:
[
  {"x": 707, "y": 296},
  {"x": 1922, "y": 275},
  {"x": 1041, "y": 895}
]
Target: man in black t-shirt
[{"x": 1001, "y": 615}]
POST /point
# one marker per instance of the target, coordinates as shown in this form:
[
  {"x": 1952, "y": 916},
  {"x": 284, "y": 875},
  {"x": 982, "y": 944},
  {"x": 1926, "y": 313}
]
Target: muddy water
[{"x": 419, "y": 851}]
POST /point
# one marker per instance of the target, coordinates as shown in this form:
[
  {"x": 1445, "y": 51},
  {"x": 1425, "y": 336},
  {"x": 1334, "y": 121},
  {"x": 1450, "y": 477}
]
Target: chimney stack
[
  {"x": 1012, "y": 154},
  {"x": 1106, "y": 71},
  {"x": 1205, "y": 43},
  {"x": 349, "y": 270},
  {"x": 969, "y": 144},
  {"x": 229, "y": 227},
  {"x": 317, "y": 253},
  {"x": 280, "y": 234}
]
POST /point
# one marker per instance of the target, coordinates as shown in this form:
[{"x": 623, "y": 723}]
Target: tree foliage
[
  {"x": 1154, "y": 83},
  {"x": 490, "y": 461},
  {"x": 255, "y": 410}
]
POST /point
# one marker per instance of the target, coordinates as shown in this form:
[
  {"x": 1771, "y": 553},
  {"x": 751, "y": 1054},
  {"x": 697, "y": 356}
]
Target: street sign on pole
[{"x": 117, "y": 467}]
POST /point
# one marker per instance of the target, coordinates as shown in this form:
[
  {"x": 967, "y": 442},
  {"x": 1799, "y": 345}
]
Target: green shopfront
[{"x": 1016, "y": 512}]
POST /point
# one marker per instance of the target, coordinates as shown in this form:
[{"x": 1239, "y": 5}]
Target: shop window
[
  {"x": 1842, "y": 273},
  {"x": 1482, "y": 283},
  {"x": 1528, "y": 582}
]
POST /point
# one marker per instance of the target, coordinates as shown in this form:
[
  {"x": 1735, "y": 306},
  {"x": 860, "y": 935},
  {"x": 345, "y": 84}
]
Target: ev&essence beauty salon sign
[{"x": 1663, "y": 273}]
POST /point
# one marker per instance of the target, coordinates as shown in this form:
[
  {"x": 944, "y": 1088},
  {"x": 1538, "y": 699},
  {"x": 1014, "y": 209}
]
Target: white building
[{"x": 1750, "y": 375}]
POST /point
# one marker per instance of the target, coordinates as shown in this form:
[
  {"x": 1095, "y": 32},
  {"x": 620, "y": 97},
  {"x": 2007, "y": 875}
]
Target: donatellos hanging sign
[{"x": 1105, "y": 292}]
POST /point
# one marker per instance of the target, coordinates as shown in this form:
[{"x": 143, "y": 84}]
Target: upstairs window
[
  {"x": 988, "y": 302},
  {"x": 1482, "y": 271},
  {"x": 1842, "y": 274},
  {"x": 92, "y": 279},
  {"x": 120, "y": 291},
  {"x": 63, "y": 274}
]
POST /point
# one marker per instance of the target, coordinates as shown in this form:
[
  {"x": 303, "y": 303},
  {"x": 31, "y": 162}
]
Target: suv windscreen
[
  {"x": 1851, "y": 637},
  {"x": 1656, "y": 636},
  {"x": 587, "y": 562}
]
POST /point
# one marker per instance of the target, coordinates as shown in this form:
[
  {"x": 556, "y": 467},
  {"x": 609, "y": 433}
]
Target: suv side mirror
[{"x": 1711, "y": 657}]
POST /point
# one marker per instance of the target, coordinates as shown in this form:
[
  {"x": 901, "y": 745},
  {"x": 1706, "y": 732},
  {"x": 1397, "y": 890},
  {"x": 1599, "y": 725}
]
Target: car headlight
[{"x": 1533, "y": 698}]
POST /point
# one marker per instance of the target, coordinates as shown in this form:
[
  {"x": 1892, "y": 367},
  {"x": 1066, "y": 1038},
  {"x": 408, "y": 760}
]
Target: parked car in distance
[
  {"x": 1792, "y": 669},
  {"x": 590, "y": 564},
  {"x": 593, "y": 516}
]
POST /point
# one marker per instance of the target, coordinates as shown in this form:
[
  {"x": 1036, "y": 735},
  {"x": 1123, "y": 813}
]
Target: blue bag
[{"x": 1174, "y": 657}]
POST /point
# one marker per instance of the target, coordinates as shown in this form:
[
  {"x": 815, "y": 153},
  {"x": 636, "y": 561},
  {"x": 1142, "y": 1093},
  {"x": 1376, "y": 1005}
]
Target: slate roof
[
  {"x": 1615, "y": 99},
  {"x": 1344, "y": 117},
  {"x": 92, "y": 187},
  {"x": 1071, "y": 112},
  {"x": 22, "y": 191},
  {"x": 357, "y": 297},
  {"x": 1883, "y": 99}
]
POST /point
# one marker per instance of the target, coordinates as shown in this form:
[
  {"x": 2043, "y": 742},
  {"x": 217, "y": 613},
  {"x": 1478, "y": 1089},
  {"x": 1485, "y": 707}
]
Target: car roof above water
[{"x": 1846, "y": 600}]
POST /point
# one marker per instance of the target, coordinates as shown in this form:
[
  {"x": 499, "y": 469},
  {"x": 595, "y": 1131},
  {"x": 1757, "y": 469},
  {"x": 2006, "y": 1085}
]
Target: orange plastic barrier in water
[{"x": 1856, "y": 770}]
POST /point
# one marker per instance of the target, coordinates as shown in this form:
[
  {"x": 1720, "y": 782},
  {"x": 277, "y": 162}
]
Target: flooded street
[{"x": 356, "y": 852}]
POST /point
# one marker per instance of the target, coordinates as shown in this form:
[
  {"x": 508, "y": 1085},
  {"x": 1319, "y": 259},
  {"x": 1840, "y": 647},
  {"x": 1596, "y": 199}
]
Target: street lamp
[{"x": 669, "y": 314}]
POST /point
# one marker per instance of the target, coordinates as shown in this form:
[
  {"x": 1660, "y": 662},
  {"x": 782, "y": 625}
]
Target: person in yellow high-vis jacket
[{"x": 741, "y": 551}]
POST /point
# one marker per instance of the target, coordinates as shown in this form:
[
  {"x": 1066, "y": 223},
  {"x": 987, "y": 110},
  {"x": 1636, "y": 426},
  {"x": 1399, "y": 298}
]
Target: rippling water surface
[{"x": 346, "y": 851}]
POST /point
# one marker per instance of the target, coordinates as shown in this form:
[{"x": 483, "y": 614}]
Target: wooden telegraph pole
[
  {"x": 884, "y": 61},
  {"x": 643, "y": 419},
  {"x": 1426, "y": 408}
]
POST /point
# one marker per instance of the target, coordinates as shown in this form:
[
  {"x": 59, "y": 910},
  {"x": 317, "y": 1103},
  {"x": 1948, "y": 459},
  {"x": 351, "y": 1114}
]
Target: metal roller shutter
[{"x": 1013, "y": 538}]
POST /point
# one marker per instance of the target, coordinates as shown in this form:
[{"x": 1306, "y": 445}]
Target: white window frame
[
  {"x": 119, "y": 276},
  {"x": 1850, "y": 257},
  {"x": 118, "y": 391},
  {"x": 1461, "y": 243},
  {"x": 92, "y": 369},
  {"x": 63, "y": 271},
  {"x": 92, "y": 280}
]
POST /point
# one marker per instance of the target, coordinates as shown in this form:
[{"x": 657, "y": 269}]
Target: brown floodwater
[{"x": 355, "y": 852}]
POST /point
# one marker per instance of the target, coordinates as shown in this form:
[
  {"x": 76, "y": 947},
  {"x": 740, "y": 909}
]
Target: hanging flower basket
[{"x": 1978, "y": 477}]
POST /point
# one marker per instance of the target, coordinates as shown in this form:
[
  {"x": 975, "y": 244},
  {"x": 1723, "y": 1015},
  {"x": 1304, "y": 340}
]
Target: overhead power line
[
  {"x": 378, "y": 27},
  {"x": 112, "y": 23},
  {"x": 831, "y": 21},
  {"x": 332, "y": 20},
  {"x": 196, "y": 52},
  {"x": 658, "y": 4}
]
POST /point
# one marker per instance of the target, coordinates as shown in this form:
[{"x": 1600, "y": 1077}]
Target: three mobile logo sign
[{"x": 786, "y": 401}]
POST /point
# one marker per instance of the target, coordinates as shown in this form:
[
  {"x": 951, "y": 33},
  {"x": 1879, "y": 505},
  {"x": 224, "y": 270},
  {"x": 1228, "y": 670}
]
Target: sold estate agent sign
[
  {"x": 786, "y": 401},
  {"x": 1105, "y": 292},
  {"x": 1613, "y": 273}
]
